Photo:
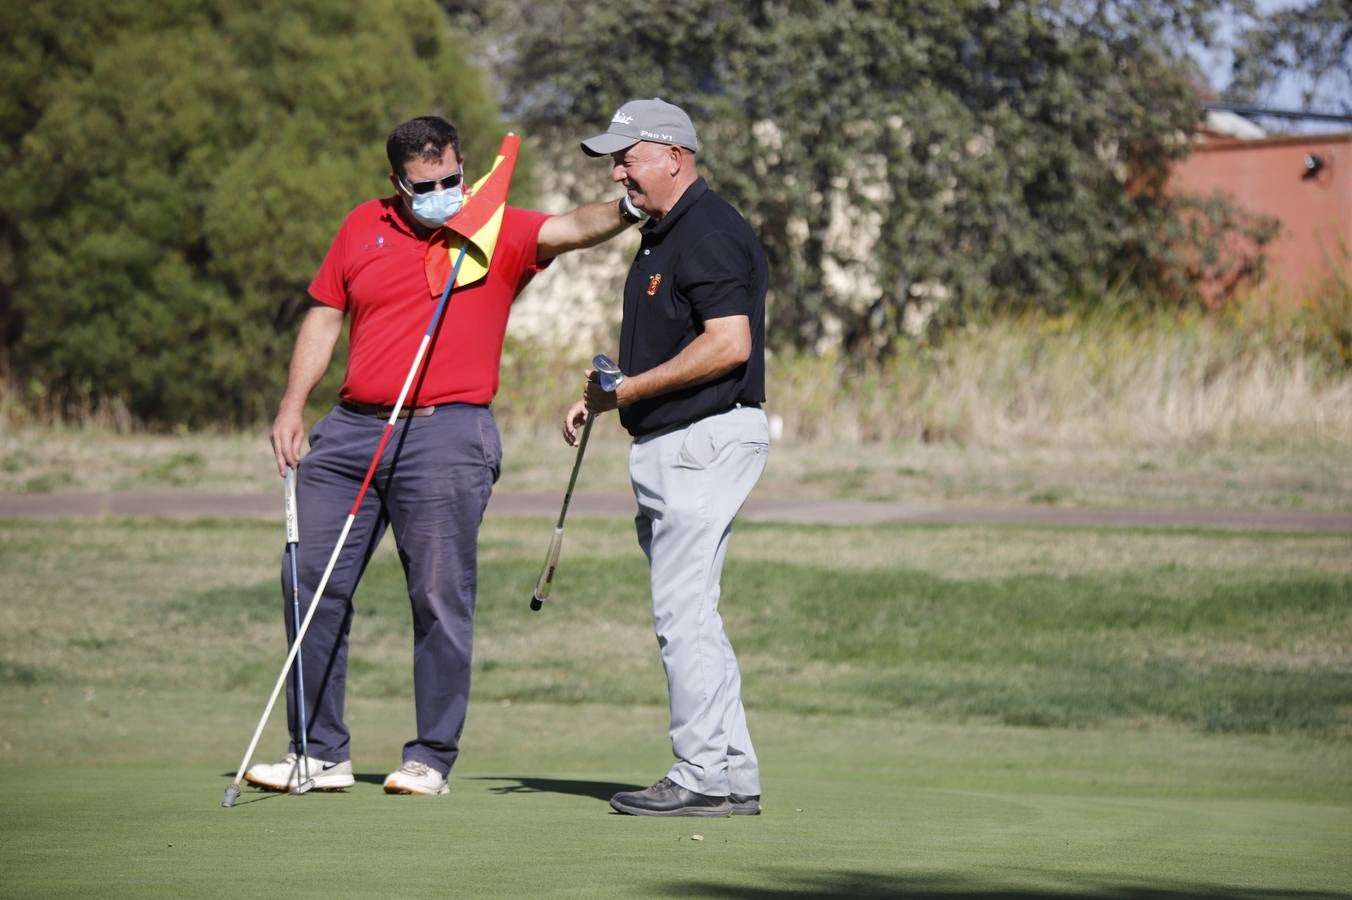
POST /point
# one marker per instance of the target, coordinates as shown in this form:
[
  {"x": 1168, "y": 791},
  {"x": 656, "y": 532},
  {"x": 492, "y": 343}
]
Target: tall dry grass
[
  {"x": 1110, "y": 376},
  {"x": 33, "y": 405}
]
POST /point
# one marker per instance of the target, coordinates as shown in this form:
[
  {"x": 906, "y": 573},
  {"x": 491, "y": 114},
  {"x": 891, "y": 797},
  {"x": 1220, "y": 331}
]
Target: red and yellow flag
[{"x": 476, "y": 226}]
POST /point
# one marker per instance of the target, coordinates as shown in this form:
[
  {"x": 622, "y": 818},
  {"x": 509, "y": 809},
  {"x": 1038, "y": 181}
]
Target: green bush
[
  {"x": 174, "y": 174},
  {"x": 905, "y": 161}
]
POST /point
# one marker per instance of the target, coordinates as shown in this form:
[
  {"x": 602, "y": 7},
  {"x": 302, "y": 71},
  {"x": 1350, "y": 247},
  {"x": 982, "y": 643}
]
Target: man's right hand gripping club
[{"x": 601, "y": 394}]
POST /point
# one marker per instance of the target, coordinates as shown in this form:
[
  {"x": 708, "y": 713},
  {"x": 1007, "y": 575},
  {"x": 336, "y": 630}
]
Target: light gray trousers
[{"x": 690, "y": 483}]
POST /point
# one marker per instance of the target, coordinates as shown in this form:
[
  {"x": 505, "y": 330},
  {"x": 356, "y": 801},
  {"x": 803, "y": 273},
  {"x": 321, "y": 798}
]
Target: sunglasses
[{"x": 426, "y": 187}]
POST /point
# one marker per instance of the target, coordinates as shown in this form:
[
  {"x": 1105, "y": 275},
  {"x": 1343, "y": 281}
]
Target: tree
[
  {"x": 1309, "y": 44},
  {"x": 897, "y": 157},
  {"x": 175, "y": 171}
]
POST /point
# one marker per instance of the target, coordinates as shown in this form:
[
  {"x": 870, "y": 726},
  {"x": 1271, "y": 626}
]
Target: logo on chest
[{"x": 653, "y": 284}]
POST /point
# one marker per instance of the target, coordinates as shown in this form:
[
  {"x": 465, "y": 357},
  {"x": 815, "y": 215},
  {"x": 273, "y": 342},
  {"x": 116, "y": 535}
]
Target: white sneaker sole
[
  {"x": 321, "y": 783},
  {"x": 399, "y": 788}
]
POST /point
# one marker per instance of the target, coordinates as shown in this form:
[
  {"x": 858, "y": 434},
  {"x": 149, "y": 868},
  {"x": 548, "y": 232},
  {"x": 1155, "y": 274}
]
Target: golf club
[
  {"x": 610, "y": 377},
  {"x": 546, "y": 579},
  {"x": 303, "y": 780},
  {"x": 232, "y": 792}
]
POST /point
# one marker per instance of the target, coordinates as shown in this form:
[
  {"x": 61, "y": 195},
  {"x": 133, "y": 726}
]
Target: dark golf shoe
[
  {"x": 745, "y": 804},
  {"x": 667, "y": 798}
]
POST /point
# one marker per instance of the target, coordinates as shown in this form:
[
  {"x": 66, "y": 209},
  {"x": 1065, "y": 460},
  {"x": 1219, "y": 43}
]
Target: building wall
[{"x": 1270, "y": 176}]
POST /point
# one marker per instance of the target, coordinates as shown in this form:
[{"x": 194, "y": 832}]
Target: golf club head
[
  {"x": 607, "y": 371},
  {"x": 231, "y": 795},
  {"x": 306, "y": 785}
]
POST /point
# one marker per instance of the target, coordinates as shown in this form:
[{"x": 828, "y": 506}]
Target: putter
[
  {"x": 610, "y": 377},
  {"x": 304, "y": 783},
  {"x": 232, "y": 791}
]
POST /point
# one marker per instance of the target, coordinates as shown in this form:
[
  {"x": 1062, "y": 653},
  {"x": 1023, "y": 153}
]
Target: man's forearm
[
  {"x": 585, "y": 226},
  {"x": 711, "y": 355}
]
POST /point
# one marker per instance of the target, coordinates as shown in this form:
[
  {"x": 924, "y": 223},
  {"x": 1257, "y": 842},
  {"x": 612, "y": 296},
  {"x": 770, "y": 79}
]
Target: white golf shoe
[
  {"x": 414, "y": 777},
  {"x": 281, "y": 776}
]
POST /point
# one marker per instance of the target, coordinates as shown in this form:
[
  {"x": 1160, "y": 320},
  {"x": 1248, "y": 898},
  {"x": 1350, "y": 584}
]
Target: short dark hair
[{"x": 425, "y": 138}]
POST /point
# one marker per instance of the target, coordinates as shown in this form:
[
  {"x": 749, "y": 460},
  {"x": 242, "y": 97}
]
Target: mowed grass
[
  {"x": 854, "y": 807},
  {"x": 1217, "y": 476},
  {"x": 1217, "y": 632},
  {"x": 941, "y": 711}
]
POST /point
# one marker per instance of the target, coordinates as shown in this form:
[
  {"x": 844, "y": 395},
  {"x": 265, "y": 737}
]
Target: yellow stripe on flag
[{"x": 477, "y": 224}]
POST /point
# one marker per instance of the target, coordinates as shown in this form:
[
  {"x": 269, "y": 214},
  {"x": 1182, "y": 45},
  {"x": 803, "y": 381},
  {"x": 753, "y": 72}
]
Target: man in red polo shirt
[{"x": 434, "y": 479}]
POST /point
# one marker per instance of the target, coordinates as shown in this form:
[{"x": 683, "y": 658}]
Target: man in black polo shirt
[{"x": 692, "y": 353}]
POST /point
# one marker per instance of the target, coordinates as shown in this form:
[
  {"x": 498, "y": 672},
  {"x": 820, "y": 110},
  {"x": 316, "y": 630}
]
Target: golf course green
[{"x": 941, "y": 711}]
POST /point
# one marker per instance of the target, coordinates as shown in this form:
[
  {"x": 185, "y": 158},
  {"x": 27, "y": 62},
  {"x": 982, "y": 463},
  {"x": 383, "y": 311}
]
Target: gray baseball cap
[{"x": 653, "y": 120}]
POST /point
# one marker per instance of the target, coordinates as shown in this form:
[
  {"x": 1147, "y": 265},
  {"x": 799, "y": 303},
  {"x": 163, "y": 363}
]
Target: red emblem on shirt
[{"x": 652, "y": 285}]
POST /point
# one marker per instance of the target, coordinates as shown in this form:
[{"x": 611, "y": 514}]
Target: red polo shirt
[{"x": 374, "y": 271}]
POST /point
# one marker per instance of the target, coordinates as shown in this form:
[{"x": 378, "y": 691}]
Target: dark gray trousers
[{"x": 431, "y": 488}]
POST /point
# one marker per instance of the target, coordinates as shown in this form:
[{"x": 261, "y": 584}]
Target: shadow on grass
[
  {"x": 599, "y": 790},
  {"x": 943, "y": 886},
  {"x": 258, "y": 796},
  {"x": 250, "y": 794}
]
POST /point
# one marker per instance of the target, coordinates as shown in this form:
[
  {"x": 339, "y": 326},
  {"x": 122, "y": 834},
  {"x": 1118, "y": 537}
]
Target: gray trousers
[
  {"x": 431, "y": 488},
  {"x": 690, "y": 484}
]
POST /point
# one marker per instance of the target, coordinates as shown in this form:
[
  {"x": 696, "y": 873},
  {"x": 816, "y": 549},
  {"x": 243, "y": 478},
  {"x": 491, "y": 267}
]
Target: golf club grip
[
  {"x": 546, "y": 579},
  {"x": 292, "y": 520}
]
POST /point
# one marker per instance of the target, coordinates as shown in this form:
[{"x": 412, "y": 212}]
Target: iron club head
[{"x": 607, "y": 371}]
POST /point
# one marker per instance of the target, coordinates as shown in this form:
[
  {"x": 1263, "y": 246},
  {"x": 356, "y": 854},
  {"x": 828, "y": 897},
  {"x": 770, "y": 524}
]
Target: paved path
[{"x": 198, "y": 505}]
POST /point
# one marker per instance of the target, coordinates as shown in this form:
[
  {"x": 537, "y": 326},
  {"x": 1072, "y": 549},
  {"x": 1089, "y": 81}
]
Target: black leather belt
[{"x": 383, "y": 412}]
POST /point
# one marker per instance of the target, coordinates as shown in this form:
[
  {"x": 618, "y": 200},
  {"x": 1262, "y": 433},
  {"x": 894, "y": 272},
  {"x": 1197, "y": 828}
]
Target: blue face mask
[{"x": 435, "y": 208}]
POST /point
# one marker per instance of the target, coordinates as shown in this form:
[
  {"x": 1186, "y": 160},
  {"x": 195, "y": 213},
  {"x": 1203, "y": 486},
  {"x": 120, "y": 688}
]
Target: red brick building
[{"x": 1303, "y": 181}]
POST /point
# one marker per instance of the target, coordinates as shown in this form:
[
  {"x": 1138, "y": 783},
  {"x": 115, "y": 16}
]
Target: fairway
[
  {"x": 953, "y": 712},
  {"x": 966, "y": 467}
]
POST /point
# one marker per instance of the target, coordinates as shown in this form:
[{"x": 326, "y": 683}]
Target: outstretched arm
[{"x": 585, "y": 226}]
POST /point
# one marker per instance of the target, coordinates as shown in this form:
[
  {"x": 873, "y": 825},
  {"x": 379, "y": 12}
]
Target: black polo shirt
[{"x": 700, "y": 261}]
